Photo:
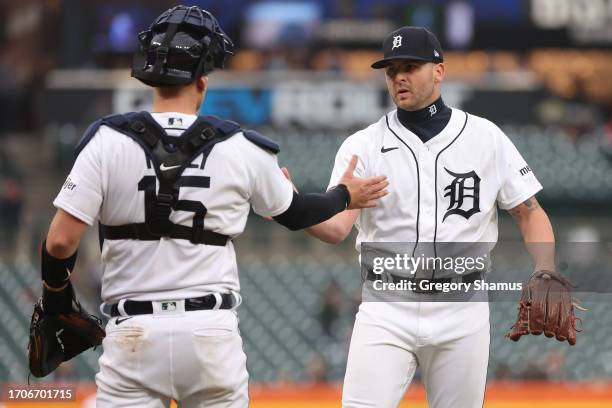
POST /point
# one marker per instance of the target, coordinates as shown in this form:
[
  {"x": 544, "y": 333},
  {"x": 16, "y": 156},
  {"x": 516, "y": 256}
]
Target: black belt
[
  {"x": 141, "y": 232},
  {"x": 208, "y": 302},
  {"x": 469, "y": 278}
]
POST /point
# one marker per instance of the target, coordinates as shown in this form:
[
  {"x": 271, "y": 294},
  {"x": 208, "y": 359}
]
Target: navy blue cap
[{"x": 416, "y": 43}]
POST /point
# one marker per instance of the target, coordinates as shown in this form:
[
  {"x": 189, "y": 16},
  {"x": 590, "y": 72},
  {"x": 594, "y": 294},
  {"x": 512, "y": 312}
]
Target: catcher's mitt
[
  {"x": 546, "y": 307},
  {"x": 55, "y": 338}
]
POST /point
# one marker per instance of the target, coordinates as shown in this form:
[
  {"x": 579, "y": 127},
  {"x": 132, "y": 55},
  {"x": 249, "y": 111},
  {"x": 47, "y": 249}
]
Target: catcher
[{"x": 170, "y": 190}]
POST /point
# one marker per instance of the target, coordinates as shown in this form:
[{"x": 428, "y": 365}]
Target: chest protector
[{"x": 169, "y": 157}]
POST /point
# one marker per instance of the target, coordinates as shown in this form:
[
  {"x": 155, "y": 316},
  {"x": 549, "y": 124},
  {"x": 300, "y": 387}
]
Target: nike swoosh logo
[
  {"x": 119, "y": 321},
  {"x": 163, "y": 167},
  {"x": 383, "y": 150}
]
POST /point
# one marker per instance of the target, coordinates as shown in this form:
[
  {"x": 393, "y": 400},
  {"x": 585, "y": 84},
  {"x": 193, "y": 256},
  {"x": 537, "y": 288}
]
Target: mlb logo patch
[
  {"x": 175, "y": 122},
  {"x": 168, "y": 306}
]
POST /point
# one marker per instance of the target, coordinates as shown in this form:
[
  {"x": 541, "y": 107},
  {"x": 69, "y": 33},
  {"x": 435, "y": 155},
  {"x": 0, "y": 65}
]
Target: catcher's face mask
[{"x": 182, "y": 44}]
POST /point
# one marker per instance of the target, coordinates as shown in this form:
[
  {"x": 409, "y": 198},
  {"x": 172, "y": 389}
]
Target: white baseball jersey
[
  {"x": 104, "y": 184},
  {"x": 444, "y": 190}
]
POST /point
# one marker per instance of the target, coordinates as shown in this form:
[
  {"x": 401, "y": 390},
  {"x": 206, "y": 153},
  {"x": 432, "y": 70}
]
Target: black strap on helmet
[
  {"x": 170, "y": 156},
  {"x": 202, "y": 26},
  {"x": 175, "y": 19}
]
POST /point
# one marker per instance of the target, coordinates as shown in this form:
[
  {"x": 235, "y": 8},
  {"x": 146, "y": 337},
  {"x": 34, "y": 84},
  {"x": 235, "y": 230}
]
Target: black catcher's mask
[{"x": 181, "y": 44}]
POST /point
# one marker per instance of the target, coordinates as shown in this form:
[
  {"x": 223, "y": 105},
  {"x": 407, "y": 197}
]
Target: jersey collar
[
  {"x": 422, "y": 115},
  {"x": 449, "y": 132}
]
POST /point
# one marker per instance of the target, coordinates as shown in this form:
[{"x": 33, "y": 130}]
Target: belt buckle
[{"x": 168, "y": 308}]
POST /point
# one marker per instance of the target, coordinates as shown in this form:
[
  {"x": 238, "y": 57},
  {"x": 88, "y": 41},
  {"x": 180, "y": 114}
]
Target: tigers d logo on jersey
[{"x": 463, "y": 193}]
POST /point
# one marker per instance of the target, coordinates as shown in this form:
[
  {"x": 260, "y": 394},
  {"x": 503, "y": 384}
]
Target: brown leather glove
[{"x": 546, "y": 307}]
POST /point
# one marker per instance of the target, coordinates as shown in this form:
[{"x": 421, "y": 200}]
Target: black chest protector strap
[{"x": 170, "y": 156}]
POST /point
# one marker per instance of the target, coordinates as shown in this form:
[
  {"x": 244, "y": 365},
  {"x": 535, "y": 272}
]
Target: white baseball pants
[
  {"x": 193, "y": 357},
  {"x": 449, "y": 341}
]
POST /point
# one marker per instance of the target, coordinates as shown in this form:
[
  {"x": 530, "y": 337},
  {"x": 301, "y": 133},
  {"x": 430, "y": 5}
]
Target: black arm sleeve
[
  {"x": 55, "y": 271},
  {"x": 310, "y": 209}
]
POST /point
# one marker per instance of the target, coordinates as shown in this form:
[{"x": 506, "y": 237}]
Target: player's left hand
[
  {"x": 59, "y": 335},
  {"x": 547, "y": 307},
  {"x": 364, "y": 191}
]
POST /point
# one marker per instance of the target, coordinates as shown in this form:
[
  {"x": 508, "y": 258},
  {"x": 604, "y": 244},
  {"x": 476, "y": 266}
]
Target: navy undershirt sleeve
[{"x": 310, "y": 209}]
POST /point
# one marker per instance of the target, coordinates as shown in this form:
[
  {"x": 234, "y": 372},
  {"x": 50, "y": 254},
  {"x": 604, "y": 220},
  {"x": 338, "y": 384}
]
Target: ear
[
  {"x": 202, "y": 83},
  {"x": 439, "y": 73}
]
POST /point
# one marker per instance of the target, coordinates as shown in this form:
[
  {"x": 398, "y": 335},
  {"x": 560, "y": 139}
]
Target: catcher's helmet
[{"x": 181, "y": 44}]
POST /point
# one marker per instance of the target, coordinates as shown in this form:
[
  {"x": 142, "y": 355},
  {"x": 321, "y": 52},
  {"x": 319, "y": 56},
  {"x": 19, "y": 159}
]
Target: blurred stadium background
[{"x": 541, "y": 69}]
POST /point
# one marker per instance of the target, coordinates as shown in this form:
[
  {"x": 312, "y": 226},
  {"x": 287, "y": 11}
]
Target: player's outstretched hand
[{"x": 364, "y": 191}]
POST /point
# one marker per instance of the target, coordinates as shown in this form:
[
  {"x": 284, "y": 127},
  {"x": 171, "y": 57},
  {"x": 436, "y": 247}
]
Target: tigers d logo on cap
[
  {"x": 397, "y": 41},
  {"x": 417, "y": 43}
]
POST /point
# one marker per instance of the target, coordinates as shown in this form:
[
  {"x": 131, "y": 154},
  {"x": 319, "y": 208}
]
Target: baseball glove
[
  {"x": 546, "y": 307},
  {"x": 55, "y": 338}
]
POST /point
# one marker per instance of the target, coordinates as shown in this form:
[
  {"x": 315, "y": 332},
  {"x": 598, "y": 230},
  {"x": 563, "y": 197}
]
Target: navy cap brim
[{"x": 383, "y": 63}]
